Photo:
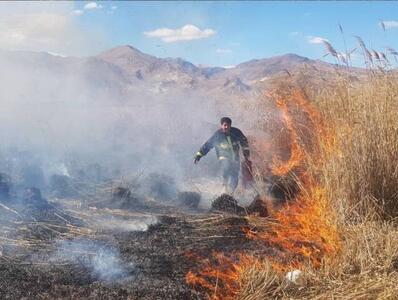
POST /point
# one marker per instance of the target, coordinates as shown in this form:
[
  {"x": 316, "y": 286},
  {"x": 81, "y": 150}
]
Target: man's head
[{"x": 225, "y": 124}]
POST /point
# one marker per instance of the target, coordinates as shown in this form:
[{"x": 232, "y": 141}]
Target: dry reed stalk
[{"x": 363, "y": 176}]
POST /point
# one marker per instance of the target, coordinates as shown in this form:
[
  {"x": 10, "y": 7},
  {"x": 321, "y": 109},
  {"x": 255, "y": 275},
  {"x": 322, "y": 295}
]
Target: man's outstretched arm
[{"x": 206, "y": 147}]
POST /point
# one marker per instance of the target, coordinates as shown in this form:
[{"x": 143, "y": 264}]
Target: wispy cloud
[
  {"x": 186, "y": 33},
  {"x": 92, "y": 5},
  {"x": 388, "y": 24},
  {"x": 78, "y": 12},
  {"x": 223, "y": 51},
  {"x": 316, "y": 39}
]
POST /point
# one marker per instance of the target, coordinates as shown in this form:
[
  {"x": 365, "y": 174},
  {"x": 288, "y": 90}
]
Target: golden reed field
[{"x": 338, "y": 237}]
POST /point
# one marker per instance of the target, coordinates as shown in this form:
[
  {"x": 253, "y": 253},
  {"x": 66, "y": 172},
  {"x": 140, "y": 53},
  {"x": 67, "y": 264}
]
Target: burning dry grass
[
  {"x": 365, "y": 269},
  {"x": 305, "y": 231},
  {"x": 359, "y": 176},
  {"x": 302, "y": 234},
  {"x": 340, "y": 230}
]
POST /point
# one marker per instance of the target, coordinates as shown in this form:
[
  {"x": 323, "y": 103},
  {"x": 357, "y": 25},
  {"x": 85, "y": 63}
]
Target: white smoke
[
  {"x": 104, "y": 261},
  {"x": 70, "y": 113},
  {"x": 110, "y": 222}
]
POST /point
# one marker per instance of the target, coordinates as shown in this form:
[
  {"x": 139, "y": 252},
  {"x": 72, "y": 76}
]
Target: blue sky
[{"x": 221, "y": 33}]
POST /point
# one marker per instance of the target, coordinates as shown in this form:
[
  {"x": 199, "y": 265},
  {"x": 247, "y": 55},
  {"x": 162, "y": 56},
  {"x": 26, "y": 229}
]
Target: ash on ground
[{"x": 113, "y": 243}]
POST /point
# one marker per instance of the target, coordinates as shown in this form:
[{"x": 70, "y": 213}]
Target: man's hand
[{"x": 196, "y": 160}]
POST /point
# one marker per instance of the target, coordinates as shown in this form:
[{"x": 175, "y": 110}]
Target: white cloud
[
  {"x": 229, "y": 67},
  {"x": 316, "y": 39},
  {"x": 223, "y": 51},
  {"x": 389, "y": 24},
  {"x": 78, "y": 12},
  {"x": 92, "y": 5},
  {"x": 186, "y": 33},
  {"x": 113, "y": 7},
  {"x": 45, "y": 26}
]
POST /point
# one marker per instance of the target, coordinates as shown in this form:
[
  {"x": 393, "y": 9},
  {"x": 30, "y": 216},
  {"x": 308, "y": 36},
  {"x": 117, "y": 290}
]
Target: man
[{"x": 227, "y": 141}]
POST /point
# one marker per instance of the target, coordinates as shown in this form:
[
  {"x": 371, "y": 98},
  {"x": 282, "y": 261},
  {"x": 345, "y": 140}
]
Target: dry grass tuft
[{"x": 260, "y": 282}]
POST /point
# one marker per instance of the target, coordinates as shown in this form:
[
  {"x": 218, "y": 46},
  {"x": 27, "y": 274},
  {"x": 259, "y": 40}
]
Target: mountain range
[
  {"x": 168, "y": 72},
  {"x": 125, "y": 69}
]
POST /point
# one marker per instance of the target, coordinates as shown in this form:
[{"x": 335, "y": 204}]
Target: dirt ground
[{"x": 116, "y": 248}]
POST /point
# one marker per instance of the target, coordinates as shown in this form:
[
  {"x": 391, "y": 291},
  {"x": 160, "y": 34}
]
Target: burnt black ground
[{"x": 157, "y": 258}]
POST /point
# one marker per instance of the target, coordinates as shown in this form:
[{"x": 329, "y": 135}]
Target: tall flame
[
  {"x": 297, "y": 154},
  {"x": 304, "y": 229}
]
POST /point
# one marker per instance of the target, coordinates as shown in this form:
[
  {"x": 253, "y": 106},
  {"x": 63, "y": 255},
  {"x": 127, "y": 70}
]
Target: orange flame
[
  {"x": 296, "y": 152},
  {"x": 305, "y": 229},
  {"x": 221, "y": 277}
]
